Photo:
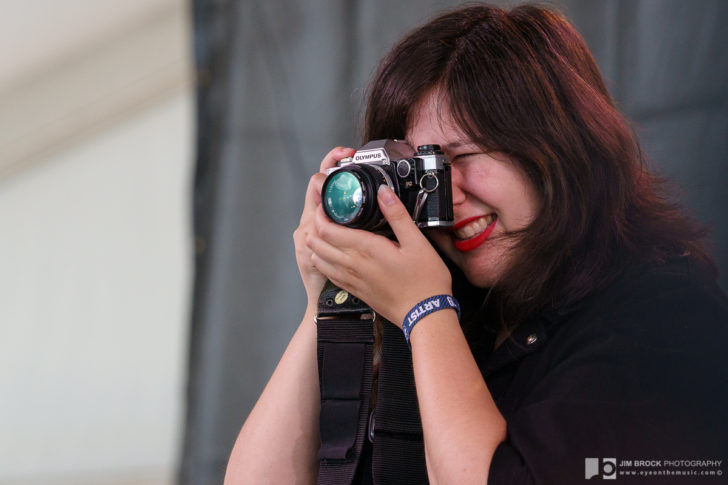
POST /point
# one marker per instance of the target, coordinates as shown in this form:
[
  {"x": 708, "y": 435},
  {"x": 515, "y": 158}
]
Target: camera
[{"x": 421, "y": 180}]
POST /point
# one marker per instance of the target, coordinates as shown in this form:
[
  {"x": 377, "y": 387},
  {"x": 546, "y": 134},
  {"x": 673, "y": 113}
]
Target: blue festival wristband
[{"x": 424, "y": 308}]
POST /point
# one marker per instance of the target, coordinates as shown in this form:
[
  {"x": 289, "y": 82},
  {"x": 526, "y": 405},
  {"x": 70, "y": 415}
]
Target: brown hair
[{"x": 523, "y": 83}]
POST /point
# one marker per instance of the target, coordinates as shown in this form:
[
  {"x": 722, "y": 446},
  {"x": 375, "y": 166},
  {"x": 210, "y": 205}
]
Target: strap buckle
[
  {"x": 367, "y": 317},
  {"x": 370, "y": 431}
]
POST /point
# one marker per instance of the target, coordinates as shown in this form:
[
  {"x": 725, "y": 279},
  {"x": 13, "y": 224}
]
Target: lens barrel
[{"x": 349, "y": 196}]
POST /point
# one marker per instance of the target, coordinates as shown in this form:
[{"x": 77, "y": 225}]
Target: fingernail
[{"x": 386, "y": 195}]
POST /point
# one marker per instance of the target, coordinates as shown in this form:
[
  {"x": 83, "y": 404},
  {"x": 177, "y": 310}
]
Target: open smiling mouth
[{"x": 470, "y": 233}]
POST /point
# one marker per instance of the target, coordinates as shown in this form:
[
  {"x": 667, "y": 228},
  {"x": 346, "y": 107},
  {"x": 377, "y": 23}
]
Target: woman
[{"x": 591, "y": 321}]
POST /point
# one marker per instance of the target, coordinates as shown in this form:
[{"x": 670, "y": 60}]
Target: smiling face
[{"x": 492, "y": 196}]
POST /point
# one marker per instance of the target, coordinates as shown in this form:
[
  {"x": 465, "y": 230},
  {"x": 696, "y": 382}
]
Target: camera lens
[
  {"x": 349, "y": 196},
  {"x": 343, "y": 197}
]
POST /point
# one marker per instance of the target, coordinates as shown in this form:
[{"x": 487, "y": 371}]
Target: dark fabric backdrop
[{"x": 281, "y": 82}]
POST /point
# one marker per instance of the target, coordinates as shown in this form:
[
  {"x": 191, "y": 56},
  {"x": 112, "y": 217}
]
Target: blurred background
[{"x": 154, "y": 155}]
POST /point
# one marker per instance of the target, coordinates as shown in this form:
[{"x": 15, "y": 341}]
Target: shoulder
[
  {"x": 657, "y": 333},
  {"x": 671, "y": 303},
  {"x": 637, "y": 370}
]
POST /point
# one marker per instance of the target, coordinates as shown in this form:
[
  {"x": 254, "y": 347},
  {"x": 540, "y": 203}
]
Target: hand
[
  {"x": 313, "y": 280},
  {"x": 390, "y": 276}
]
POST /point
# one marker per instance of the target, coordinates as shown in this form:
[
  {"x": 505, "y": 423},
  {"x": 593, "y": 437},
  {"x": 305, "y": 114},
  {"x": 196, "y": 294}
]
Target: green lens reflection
[{"x": 343, "y": 197}]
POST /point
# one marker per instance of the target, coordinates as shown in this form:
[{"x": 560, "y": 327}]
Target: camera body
[{"x": 421, "y": 180}]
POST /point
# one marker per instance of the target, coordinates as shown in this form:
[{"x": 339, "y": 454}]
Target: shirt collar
[{"x": 525, "y": 339}]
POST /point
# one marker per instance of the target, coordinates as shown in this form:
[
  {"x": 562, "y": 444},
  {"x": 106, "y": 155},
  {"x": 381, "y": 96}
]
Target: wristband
[{"x": 424, "y": 308}]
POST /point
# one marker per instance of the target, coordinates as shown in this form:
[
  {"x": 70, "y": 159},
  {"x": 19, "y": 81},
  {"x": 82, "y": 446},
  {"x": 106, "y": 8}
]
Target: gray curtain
[{"x": 281, "y": 82}]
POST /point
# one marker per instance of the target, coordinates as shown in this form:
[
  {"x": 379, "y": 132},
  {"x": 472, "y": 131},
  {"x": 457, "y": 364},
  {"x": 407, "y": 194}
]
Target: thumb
[{"x": 397, "y": 216}]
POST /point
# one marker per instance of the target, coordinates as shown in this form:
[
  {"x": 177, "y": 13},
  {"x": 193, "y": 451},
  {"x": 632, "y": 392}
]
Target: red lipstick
[
  {"x": 475, "y": 241},
  {"x": 464, "y": 222}
]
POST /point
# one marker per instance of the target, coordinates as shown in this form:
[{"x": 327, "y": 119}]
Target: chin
[
  {"x": 479, "y": 278},
  {"x": 480, "y": 267},
  {"x": 485, "y": 270}
]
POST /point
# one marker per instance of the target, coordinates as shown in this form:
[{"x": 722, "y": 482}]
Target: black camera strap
[
  {"x": 345, "y": 349},
  {"x": 399, "y": 450},
  {"x": 345, "y": 330}
]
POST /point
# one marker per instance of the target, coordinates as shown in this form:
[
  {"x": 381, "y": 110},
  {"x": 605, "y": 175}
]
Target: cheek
[
  {"x": 519, "y": 203},
  {"x": 528, "y": 195},
  {"x": 526, "y": 207},
  {"x": 521, "y": 214}
]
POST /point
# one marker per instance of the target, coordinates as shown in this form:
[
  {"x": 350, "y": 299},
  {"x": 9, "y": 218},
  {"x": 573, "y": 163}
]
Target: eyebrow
[{"x": 458, "y": 144}]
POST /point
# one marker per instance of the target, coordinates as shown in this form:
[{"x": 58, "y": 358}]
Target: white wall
[{"x": 95, "y": 283}]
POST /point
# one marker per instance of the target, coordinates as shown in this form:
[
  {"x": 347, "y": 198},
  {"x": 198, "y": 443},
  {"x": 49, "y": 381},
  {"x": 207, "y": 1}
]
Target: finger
[
  {"x": 313, "y": 194},
  {"x": 333, "y": 157},
  {"x": 327, "y": 252},
  {"x": 316, "y": 182},
  {"x": 342, "y": 237},
  {"x": 341, "y": 277},
  {"x": 397, "y": 216}
]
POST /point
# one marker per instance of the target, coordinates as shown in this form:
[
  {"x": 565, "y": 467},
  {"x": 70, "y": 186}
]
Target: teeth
[{"x": 475, "y": 227}]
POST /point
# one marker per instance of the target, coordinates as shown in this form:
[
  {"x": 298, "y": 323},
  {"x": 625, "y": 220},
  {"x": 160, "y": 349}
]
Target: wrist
[
  {"x": 311, "y": 311},
  {"x": 427, "y": 307},
  {"x": 407, "y": 303}
]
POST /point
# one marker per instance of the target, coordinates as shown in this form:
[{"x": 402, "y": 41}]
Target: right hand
[{"x": 313, "y": 280}]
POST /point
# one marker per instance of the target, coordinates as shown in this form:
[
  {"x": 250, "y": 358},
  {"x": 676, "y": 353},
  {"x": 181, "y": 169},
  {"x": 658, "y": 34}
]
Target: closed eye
[{"x": 463, "y": 156}]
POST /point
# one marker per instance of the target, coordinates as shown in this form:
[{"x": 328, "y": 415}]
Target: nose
[{"x": 457, "y": 178}]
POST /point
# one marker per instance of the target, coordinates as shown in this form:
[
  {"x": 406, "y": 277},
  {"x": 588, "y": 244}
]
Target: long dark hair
[{"x": 523, "y": 82}]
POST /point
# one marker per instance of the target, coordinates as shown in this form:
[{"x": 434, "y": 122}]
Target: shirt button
[{"x": 531, "y": 339}]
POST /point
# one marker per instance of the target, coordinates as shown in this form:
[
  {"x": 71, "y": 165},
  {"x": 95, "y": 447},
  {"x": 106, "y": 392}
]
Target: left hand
[{"x": 390, "y": 276}]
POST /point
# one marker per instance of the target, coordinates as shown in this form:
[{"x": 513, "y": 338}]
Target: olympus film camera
[{"x": 421, "y": 180}]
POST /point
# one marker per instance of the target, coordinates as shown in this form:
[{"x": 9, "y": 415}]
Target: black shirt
[{"x": 634, "y": 373}]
